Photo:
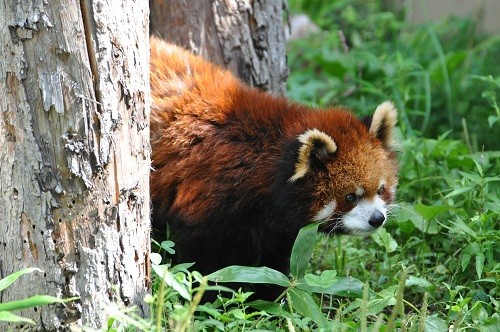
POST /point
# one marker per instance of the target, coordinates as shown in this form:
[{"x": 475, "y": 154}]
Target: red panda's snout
[{"x": 366, "y": 216}]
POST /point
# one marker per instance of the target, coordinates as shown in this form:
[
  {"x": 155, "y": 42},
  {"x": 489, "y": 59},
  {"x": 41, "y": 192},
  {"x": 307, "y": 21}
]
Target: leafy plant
[{"x": 6, "y": 308}]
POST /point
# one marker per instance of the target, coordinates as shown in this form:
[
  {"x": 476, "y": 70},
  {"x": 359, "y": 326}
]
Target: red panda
[{"x": 237, "y": 171}]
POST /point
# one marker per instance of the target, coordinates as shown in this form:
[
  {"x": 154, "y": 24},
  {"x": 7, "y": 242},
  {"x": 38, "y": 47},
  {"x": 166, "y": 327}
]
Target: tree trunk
[
  {"x": 74, "y": 156},
  {"x": 245, "y": 36}
]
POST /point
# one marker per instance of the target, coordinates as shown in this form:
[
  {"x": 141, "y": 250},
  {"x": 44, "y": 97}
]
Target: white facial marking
[
  {"x": 359, "y": 191},
  {"x": 393, "y": 190},
  {"x": 326, "y": 211},
  {"x": 356, "y": 220}
]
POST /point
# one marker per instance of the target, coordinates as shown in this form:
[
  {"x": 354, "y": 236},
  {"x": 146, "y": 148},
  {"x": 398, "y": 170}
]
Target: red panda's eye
[
  {"x": 381, "y": 190},
  {"x": 350, "y": 198}
]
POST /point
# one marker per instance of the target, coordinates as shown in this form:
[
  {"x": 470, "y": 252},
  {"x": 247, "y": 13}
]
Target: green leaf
[
  {"x": 479, "y": 264},
  {"x": 430, "y": 212},
  {"x": 34, "y": 301},
  {"x": 303, "y": 303},
  {"x": 426, "y": 222},
  {"x": 435, "y": 324},
  {"x": 325, "y": 280},
  {"x": 184, "y": 267},
  {"x": 5, "y": 282},
  {"x": 6, "y": 316},
  {"x": 460, "y": 225},
  {"x": 249, "y": 274},
  {"x": 272, "y": 308},
  {"x": 417, "y": 281},
  {"x": 472, "y": 249},
  {"x": 342, "y": 286},
  {"x": 459, "y": 191},
  {"x": 384, "y": 239},
  {"x": 465, "y": 260},
  {"x": 120, "y": 315},
  {"x": 375, "y": 306},
  {"x": 238, "y": 313},
  {"x": 169, "y": 278},
  {"x": 168, "y": 246},
  {"x": 302, "y": 250}
]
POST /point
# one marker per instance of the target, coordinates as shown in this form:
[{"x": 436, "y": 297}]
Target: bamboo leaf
[
  {"x": 5, "y": 282},
  {"x": 302, "y": 250},
  {"x": 169, "y": 278},
  {"x": 303, "y": 303},
  {"x": 249, "y": 274},
  {"x": 6, "y": 316},
  {"x": 34, "y": 301}
]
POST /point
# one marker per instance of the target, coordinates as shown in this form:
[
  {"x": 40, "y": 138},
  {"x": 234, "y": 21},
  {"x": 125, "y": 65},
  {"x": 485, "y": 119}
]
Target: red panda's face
[{"x": 357, "y": 177}]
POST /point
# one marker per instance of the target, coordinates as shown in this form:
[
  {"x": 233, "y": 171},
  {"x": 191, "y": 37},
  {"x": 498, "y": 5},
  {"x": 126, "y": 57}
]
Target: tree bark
[
  {"x": 74, "y": 156},
  {"x": 245, "y": 36}
]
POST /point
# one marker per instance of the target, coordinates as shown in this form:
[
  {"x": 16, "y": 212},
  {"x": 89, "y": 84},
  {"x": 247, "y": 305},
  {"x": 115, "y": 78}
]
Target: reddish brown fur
[{"x": 223, "y": 151}]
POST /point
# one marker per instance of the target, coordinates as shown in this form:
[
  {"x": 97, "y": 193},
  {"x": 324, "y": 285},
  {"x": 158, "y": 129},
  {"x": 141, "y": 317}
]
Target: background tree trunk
[
  {"x": 74, "y": 155},
  {"x": 245, "y": 36}
]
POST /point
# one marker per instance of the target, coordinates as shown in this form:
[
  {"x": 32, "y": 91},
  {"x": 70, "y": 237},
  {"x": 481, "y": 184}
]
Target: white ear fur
[
  {"x": 313, "y": 143},
  {"x": 383, "y": 122}
]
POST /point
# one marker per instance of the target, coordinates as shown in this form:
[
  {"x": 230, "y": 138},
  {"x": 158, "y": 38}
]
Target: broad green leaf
[
  {"x": 184, "y": 268},
  {"x": 460, "y": 225},
  {"x": 417, "y": 281},
  {"x": 429, "y": 212},
  {"x": 214, "y": 325},
  {"x": 325, "y": 280},
  {"x": 435, "y": 324},
  {"x": 168, "y": 277},
  {"x": 342, "y": 286},
  {"x": 168, "y": 246},
  {"x": 375, "y": 306},
  {"x": 249, "y": 274},
  {"x": 465, "y": 260},
  {"x": 6, "y": 316},
  {"x": 238, "y": 313},
  {"x": 479, "y": 313},
  {"x": 479, "y": 264},
  {"x": 389, "y": 292},
  {"x": 459, "y": 191},
  {"x": 277, "y": 309},
  {"x": 209, "y": 310},
  {"x": 302, "y": 250},
  {"x": 472, "y": 249},
  {"x": 5, "y": 282},
  {"x": 34, "y": 301},
  {"x": 384, "y": 239},
  {"x": 303, "y": 303},
  {"x": 419, "y": 218}
]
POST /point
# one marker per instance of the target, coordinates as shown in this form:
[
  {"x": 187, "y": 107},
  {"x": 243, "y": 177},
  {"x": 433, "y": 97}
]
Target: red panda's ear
[
  {"x": 315, "y": 148},
  {"x": 383, "y": 122}
]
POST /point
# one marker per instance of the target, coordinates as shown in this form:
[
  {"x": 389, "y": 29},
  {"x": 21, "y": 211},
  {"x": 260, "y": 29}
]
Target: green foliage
[
  {"x": 437, "y": 73},
  {"x": 6, "y": 308}
]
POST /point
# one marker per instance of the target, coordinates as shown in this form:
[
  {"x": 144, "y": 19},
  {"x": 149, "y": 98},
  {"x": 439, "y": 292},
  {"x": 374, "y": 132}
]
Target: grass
[{"x": 435, "y": 267}]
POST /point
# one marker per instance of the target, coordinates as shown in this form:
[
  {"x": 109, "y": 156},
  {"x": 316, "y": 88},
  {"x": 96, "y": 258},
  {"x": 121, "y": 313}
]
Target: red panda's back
[
  {"x": 183, "y": 83},
  {"x": 206, "y": 127}
]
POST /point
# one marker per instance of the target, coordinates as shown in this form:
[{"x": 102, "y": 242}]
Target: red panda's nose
[{"x": 376, "y": 219}]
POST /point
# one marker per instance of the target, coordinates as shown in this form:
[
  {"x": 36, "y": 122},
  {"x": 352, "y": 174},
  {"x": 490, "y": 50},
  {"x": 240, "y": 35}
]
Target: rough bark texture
[
  {"x": 245, "y": 36},
  {"x": 74, "y": 156}
]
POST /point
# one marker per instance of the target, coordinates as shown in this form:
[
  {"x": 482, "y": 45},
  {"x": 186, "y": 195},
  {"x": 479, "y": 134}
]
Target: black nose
[{"x": 377, "y": 219}]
